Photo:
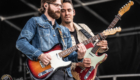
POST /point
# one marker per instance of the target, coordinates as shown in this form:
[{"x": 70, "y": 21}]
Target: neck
[
  {"x": 70, "y": 26},
  {"x": 49, "y": 18}
]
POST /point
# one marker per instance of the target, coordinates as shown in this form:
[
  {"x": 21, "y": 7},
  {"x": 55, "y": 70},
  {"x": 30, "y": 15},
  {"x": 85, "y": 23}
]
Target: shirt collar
[{"x": 76, "y": 26}]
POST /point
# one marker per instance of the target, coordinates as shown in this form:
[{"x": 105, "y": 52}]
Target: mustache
[{"x": 58, "y": 12}]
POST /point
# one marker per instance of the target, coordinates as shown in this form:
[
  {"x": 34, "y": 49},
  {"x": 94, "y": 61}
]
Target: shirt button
[{"x": 54, "y": 35}]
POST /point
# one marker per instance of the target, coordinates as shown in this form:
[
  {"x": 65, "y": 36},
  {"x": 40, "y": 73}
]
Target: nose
[
  {"x": 59, "y": 8},
  {"x": 67, "y": 13}
]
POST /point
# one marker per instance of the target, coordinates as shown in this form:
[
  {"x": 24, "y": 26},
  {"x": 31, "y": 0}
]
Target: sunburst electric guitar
[
  {"x": 39, "y": 71},
  {"x": 89, "y": 73}
]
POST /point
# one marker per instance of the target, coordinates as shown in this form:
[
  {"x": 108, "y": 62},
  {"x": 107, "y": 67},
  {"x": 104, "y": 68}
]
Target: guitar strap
[
  {"x": 61, "y": 35},
  {"x": 85, "y": 32}
]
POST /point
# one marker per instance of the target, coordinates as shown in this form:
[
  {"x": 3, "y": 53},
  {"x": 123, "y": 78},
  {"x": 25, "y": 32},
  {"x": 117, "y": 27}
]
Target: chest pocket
[
  {"x": 66, "y": 37},
  {"x": 44, "y": 30}
]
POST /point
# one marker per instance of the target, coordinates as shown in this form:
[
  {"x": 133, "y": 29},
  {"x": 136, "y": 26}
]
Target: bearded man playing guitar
[
  {"x": 67, "y": 15},
  {"x": 41, "y": 34}
]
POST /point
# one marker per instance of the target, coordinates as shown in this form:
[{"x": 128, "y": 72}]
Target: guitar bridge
[
  {"x": 88, "y": 73},
  {"x": 42, "y": 65},
  {"x": 44, "y": 72}
]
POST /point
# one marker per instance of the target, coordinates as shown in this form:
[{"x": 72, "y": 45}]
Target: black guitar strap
[{"x": 85, "y": 32}]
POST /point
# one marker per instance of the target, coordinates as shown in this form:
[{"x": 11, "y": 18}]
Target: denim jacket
[{"x": 38, "y": 35}]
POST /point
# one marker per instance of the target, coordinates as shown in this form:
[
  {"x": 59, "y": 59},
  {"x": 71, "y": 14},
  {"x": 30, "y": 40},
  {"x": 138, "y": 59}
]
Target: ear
[
  {"x": 74, "y": 12},
  {"x": 46, "y": 5}
]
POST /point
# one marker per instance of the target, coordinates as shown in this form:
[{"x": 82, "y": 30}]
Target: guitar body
[
  {"x": 89, "y": 73},
  {"x": 39, "y": 71},
  {"x": 95, "y": 59}
]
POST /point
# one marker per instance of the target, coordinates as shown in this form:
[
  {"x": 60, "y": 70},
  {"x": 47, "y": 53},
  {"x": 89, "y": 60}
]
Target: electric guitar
[
  {"x": 89, "y": 73},
  {"x": 39, "y": 71}
]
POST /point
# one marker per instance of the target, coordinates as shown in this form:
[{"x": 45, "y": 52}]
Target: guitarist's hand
[
  {"x": 45, "y": 58},
  {"x": 103, "y": 44},
  {"x": 86, "y": 63},
  {"x": 81, "y": 51}
]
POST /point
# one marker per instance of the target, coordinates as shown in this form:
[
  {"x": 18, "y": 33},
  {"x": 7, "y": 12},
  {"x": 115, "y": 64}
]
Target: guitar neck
[
  {"x": 113, "y": 23},
  {"x": 70, "y": 50}
]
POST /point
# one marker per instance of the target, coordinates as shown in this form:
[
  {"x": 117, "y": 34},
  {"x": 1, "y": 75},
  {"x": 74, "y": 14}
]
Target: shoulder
[
  {"x": 37, "y": 19},
  {"x": 64, "y": 28},
  {"x": 83, "y": 25},
  {"x": 34, "y": 19}
]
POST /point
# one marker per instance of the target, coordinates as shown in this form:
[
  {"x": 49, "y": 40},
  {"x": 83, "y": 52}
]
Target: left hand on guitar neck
[
  {"x": 81, "y": 51},
  {"x": 103, "y": 44}
]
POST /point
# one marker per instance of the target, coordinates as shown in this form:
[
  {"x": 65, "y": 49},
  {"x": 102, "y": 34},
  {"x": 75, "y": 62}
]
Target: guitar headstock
[
  {"x": 125, "y": 8},
  {"x": 111, "y": 31}
]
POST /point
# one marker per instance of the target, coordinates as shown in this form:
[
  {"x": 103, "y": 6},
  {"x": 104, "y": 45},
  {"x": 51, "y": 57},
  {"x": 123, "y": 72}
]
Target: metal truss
[
  {"x": 5, "y": 19},
  {"x": 114, "y": 77},
  {"x": 79, "y": 4},
  {"x": 93, "y": 12}
]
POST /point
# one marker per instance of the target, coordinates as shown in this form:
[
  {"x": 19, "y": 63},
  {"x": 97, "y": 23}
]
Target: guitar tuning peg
[
  {"x": 119, "y": 27},
  {"x": 108, "y": 30}
]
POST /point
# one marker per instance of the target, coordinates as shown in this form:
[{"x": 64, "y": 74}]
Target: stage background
[{"x": 124, "y": 48}]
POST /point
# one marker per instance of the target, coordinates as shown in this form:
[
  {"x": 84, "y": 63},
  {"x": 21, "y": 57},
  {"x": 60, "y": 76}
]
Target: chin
[{"x": 67, "y": 22}]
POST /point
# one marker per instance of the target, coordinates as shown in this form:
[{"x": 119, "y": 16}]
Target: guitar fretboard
[
  {"x": 113, "y": 23},
  {"x": 71, "y": 49}
]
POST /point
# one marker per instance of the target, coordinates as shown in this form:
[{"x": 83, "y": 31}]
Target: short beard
[
  {"x": 67, "y": 22},
  {"x": 54, "y": 15}
]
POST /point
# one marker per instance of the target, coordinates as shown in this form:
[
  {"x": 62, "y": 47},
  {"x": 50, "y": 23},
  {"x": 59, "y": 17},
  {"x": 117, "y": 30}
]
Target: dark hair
[
  {"x": 42, "y": 9},
  {"x": 69, "y": 1}
]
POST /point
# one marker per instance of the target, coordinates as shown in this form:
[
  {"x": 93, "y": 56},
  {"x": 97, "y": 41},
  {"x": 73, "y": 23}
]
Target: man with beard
[
  {"x": 42, "y": 33},
  {"x": 67, "y": 15}
]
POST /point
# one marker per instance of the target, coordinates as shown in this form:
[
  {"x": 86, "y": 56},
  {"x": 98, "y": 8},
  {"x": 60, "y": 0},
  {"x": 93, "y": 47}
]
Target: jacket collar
[{"x": 46, "y": 19}]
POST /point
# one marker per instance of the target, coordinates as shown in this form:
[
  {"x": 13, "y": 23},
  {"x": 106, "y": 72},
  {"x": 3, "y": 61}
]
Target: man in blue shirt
[{"x": 41, "y": 34}]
